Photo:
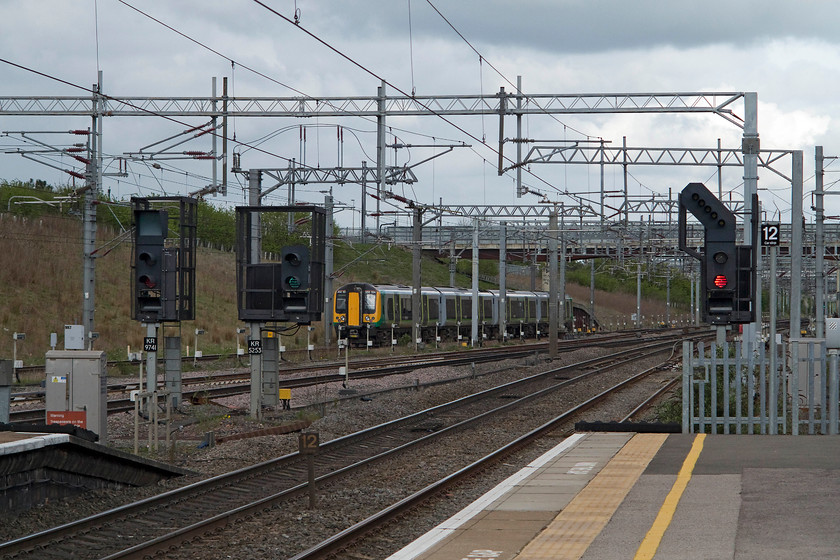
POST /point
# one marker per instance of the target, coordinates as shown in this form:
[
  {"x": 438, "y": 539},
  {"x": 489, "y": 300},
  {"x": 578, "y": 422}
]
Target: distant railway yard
[{"x": 299, "y": 371}]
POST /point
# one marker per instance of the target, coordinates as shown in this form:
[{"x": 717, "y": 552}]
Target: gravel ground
[{"x": 280, "y": 534}]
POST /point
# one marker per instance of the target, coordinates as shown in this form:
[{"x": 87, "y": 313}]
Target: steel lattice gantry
[
  {"x": 99, "y": 105},
  {"x": 609, "y": 155},
  {"x": 719, "y": 103}
]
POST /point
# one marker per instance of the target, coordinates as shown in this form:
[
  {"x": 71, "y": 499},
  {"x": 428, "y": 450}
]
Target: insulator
[
  {"x": 75, "y": 174},
  {"x": 81, "y": 159},
  {"x": 80, "y": 132}
]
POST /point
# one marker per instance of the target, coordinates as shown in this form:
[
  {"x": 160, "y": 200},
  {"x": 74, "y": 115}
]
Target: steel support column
[
  {"x": 416, "y": 254},
  {"x": 474, "y": 340},
  {"x": 819, "y": 208},
  {"x": 328, "y": 270},
  {"x": 552, "y": 286},
  {"x": 502, "y": 281},
  {"x": 750, "y": 147}
]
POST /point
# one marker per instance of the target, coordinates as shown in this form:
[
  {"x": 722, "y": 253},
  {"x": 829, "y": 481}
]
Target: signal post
[
  {"x": 728, "y": 271},
  {"x": 163, "y": 279},
  {"x": 288, "y": 291}
]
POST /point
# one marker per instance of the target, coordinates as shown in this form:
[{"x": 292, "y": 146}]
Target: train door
[
  {"x": 451, "y": 309},
  {"x": 486, "y": 306},
  {"x": 405, "y": 310},
  {"x": 431, "y": 309},
  {"x": 388, "y": 307},
  {"x": 354, "y": 311},
  {"x": 466, "y": 309}
]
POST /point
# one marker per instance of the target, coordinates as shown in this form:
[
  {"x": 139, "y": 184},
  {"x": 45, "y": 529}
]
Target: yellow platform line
[
  {"x": 651, "y": 542},
  {"x": 570, "y": 533}
]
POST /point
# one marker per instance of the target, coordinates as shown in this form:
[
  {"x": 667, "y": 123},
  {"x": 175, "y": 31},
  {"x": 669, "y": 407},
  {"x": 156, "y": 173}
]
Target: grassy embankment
[{"x": 42, "y": 283}]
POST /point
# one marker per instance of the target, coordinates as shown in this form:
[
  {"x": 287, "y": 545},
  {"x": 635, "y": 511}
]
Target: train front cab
[{"x": 356, "y": 306}]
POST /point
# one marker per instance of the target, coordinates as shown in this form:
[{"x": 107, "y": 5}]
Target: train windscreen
[
  {"x": 341, "y": 303},
  {"x": 370, "y": 302}
]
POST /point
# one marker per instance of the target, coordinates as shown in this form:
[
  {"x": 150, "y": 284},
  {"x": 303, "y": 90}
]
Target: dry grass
[
  {"x": 611, "y": 309},
  {"x": 41, "y": 280},
  {"x": 617, "y": 308},
  {"x": 42, "y": 291}
]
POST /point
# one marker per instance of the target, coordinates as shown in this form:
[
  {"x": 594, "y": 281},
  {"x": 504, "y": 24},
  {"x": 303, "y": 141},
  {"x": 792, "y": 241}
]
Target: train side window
[
  {"x": 341, "y": 303},
  {"x": 466, "y": 308},
  {"x": 544, "y": 308},
  {"x": 434, "y": 311},
  {"x": 389, "y": 308},
  {"x": 370, "y": 302},
  {"x": 405, "y": 307},
  {"x": 532, "y": 309}
]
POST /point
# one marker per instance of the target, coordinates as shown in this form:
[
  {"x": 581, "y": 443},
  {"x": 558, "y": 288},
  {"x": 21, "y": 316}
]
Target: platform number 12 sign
[{"x": 770, "y": 234}]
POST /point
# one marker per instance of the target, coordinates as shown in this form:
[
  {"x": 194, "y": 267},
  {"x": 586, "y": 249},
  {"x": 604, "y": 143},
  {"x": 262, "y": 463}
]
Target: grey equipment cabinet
[{"x": 77, "y": 382}]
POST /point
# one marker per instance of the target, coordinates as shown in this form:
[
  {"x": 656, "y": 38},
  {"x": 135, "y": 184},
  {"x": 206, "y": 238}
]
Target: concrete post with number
[
  {"x": 255, "y": 353},
  {"x": 150, "y": 348}
]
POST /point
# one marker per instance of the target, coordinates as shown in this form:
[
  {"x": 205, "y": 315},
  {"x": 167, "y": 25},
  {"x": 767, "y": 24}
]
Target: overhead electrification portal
[
  {"x": 98, "y": 105},
  {"x": 720, "y": 103}
]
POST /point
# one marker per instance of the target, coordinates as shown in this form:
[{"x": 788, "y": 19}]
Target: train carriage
[{"x": 377, "y": 313}]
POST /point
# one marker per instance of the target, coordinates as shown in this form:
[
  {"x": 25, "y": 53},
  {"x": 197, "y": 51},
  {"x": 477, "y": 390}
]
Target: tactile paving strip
[{"x": 570, "y": 533}]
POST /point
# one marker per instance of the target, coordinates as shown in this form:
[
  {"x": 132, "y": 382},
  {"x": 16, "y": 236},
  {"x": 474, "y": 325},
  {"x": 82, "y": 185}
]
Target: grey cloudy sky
[{"x": 787, "y": 52}]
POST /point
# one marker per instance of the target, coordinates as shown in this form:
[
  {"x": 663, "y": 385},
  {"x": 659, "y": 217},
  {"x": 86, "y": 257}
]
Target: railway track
[
  {"x": 293, "y": 356},
  {"x": 157, "y": 524},
  {"x": 352, "y": 538},
  {"x": 225, "y": 384}
]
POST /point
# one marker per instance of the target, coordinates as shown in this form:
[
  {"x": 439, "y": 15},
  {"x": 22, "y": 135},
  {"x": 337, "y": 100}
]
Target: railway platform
[
  {"x": 38, "y": 466},
  {"x": 611, "y": 496}
]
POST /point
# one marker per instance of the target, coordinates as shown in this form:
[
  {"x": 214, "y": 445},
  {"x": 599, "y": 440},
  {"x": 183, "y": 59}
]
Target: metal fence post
[
  {"x": 833, "y": 396},
  {"x": 794, "y": 383},
  {"x": 687, "y": 351}
]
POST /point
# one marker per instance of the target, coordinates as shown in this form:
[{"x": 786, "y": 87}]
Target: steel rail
[
  {"x": 365, "y": 370},
  {"x": 644, "y": 405},
  {"x": 340, "y": 541},
  {"x": 188, "y": 534},
  {"x": 92, "y": 527},
  {"x": 293, "y": 367}
]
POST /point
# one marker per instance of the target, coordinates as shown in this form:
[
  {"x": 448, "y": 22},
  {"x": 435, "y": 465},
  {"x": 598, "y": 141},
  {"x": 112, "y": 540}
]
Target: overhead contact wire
[{"x": 363, "y": 68}]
